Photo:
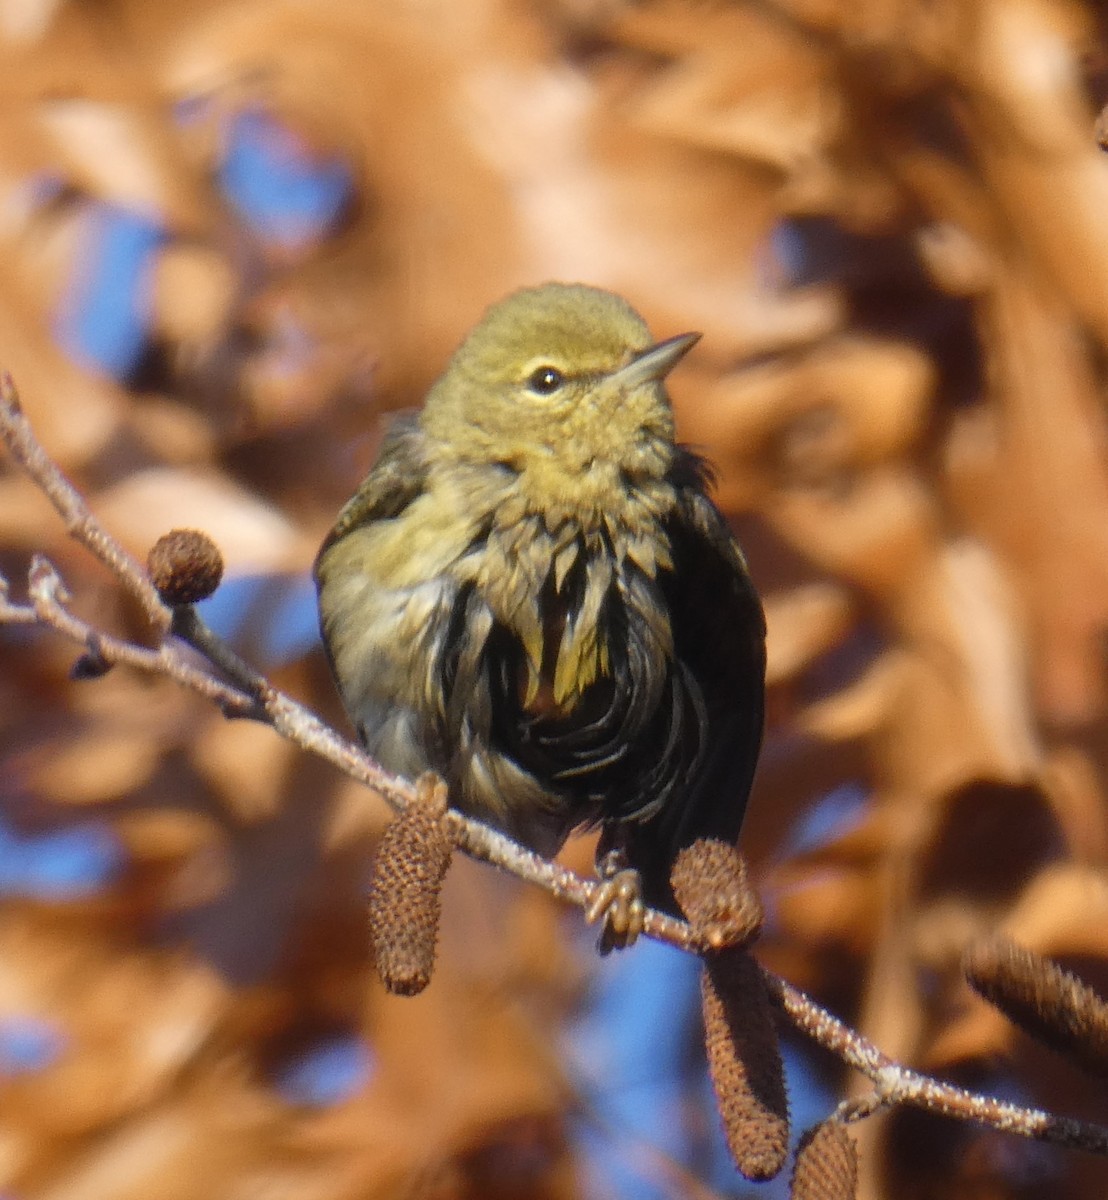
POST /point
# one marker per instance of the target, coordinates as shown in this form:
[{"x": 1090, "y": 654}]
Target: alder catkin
[
  {"x": 405, "y": 894},
  {"x": 744, "y": 1060},
  {"x": 710, "y": 885},
  {"x": 826, "y": 1164},
  {"x": 1044, "y": 1000}
]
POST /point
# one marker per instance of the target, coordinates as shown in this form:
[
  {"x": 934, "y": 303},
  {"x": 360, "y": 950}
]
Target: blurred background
[{"x": 233, "y": 237}]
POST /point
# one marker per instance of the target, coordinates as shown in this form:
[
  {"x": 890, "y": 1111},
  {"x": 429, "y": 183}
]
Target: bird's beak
[{"x": 656, "y": 362}]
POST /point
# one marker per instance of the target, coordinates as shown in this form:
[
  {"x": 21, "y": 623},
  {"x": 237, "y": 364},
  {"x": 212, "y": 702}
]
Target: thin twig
[
  {"x": 14, "y": 614},
  {"x": 190, "y": 627},
  {"x": 48, "y": 599},
  {"x": 897, "y": 1084},
  {"x": 247, "y": 694},
  {"x": 80, "y": 524}
]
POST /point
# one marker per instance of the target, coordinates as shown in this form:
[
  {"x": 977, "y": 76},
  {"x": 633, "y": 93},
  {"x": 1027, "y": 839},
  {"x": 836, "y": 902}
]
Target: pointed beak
[{"x": 656, "y": 362}]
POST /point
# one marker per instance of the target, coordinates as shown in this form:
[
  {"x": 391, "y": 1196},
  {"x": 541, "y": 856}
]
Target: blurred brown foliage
[{"x": 887, "y": 217}]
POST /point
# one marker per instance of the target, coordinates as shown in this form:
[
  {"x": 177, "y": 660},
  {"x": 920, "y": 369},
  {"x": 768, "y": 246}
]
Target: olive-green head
[{"x": 559, "y": 377}]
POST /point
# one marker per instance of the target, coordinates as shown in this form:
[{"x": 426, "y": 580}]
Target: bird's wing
[
  {"x": 719, "y": 650},
  {"x": 396, "y": 479},
  {"x": 359, "y": 611}
]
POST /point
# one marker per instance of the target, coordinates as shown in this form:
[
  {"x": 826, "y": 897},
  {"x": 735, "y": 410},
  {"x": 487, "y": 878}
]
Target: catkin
[
  {"x": 744, "y": 1060},
  {"x": 405, "y": 895},
  {"x": 710, "y": 884},
  {"x": 1046, "y": 1001},
  {"x": 826, "y": 1164}
]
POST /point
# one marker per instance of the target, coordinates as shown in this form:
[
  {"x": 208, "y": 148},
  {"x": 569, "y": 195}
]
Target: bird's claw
[{"x": 618, "y": 902}]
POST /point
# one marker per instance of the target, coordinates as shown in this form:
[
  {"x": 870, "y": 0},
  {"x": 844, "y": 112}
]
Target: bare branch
[
  {"x": 81, "y": 525},
  {"x": 245, "y": 693},
  {"x": 48, "y": 603},
  {"x": 14, "y": 614},
  {"x": 898, "y": 1084}
]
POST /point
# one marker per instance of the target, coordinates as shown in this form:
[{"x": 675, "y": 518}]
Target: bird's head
[{"x": 559, "y": 377}]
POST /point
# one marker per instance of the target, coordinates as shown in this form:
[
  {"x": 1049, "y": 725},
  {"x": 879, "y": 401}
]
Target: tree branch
[
  {"x": 241, "y": 692},
  {"x": 79, "y": 522}
]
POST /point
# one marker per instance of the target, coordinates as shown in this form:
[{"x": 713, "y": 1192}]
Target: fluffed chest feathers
[
  {"x": 560, "y": 580},
  {"x": 538, "y": 624}
]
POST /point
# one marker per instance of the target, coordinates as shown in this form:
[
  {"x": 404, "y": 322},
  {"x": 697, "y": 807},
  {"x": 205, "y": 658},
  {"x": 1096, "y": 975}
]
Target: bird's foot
[{"x": 618, "y": 903}]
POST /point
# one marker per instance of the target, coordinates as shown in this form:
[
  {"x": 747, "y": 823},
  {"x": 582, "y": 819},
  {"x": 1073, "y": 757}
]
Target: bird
[{"x": 533, "y": 596}]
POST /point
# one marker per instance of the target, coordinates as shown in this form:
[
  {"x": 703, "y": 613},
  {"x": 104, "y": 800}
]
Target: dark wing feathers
[
  {"x": 719, "y": 646},
  {"x": 720, "y": 633}
]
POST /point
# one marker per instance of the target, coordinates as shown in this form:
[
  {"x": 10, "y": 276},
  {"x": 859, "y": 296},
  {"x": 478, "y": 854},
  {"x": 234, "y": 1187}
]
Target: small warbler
[{"x": 532, "y": 595}]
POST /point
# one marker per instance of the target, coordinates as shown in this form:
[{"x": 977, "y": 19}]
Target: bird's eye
[{"x": 545, "y": 380}]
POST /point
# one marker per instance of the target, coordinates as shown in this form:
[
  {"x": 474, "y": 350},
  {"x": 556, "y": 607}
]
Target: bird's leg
[{"x": 618, "y": 900}]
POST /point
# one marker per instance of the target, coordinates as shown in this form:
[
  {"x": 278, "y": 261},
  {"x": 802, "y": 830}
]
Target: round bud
[{"x": 185, "y": 565}]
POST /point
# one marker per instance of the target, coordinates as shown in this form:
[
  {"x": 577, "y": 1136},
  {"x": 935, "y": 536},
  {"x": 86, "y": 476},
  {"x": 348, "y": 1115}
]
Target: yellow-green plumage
[{"x": 532, "y": 595}]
